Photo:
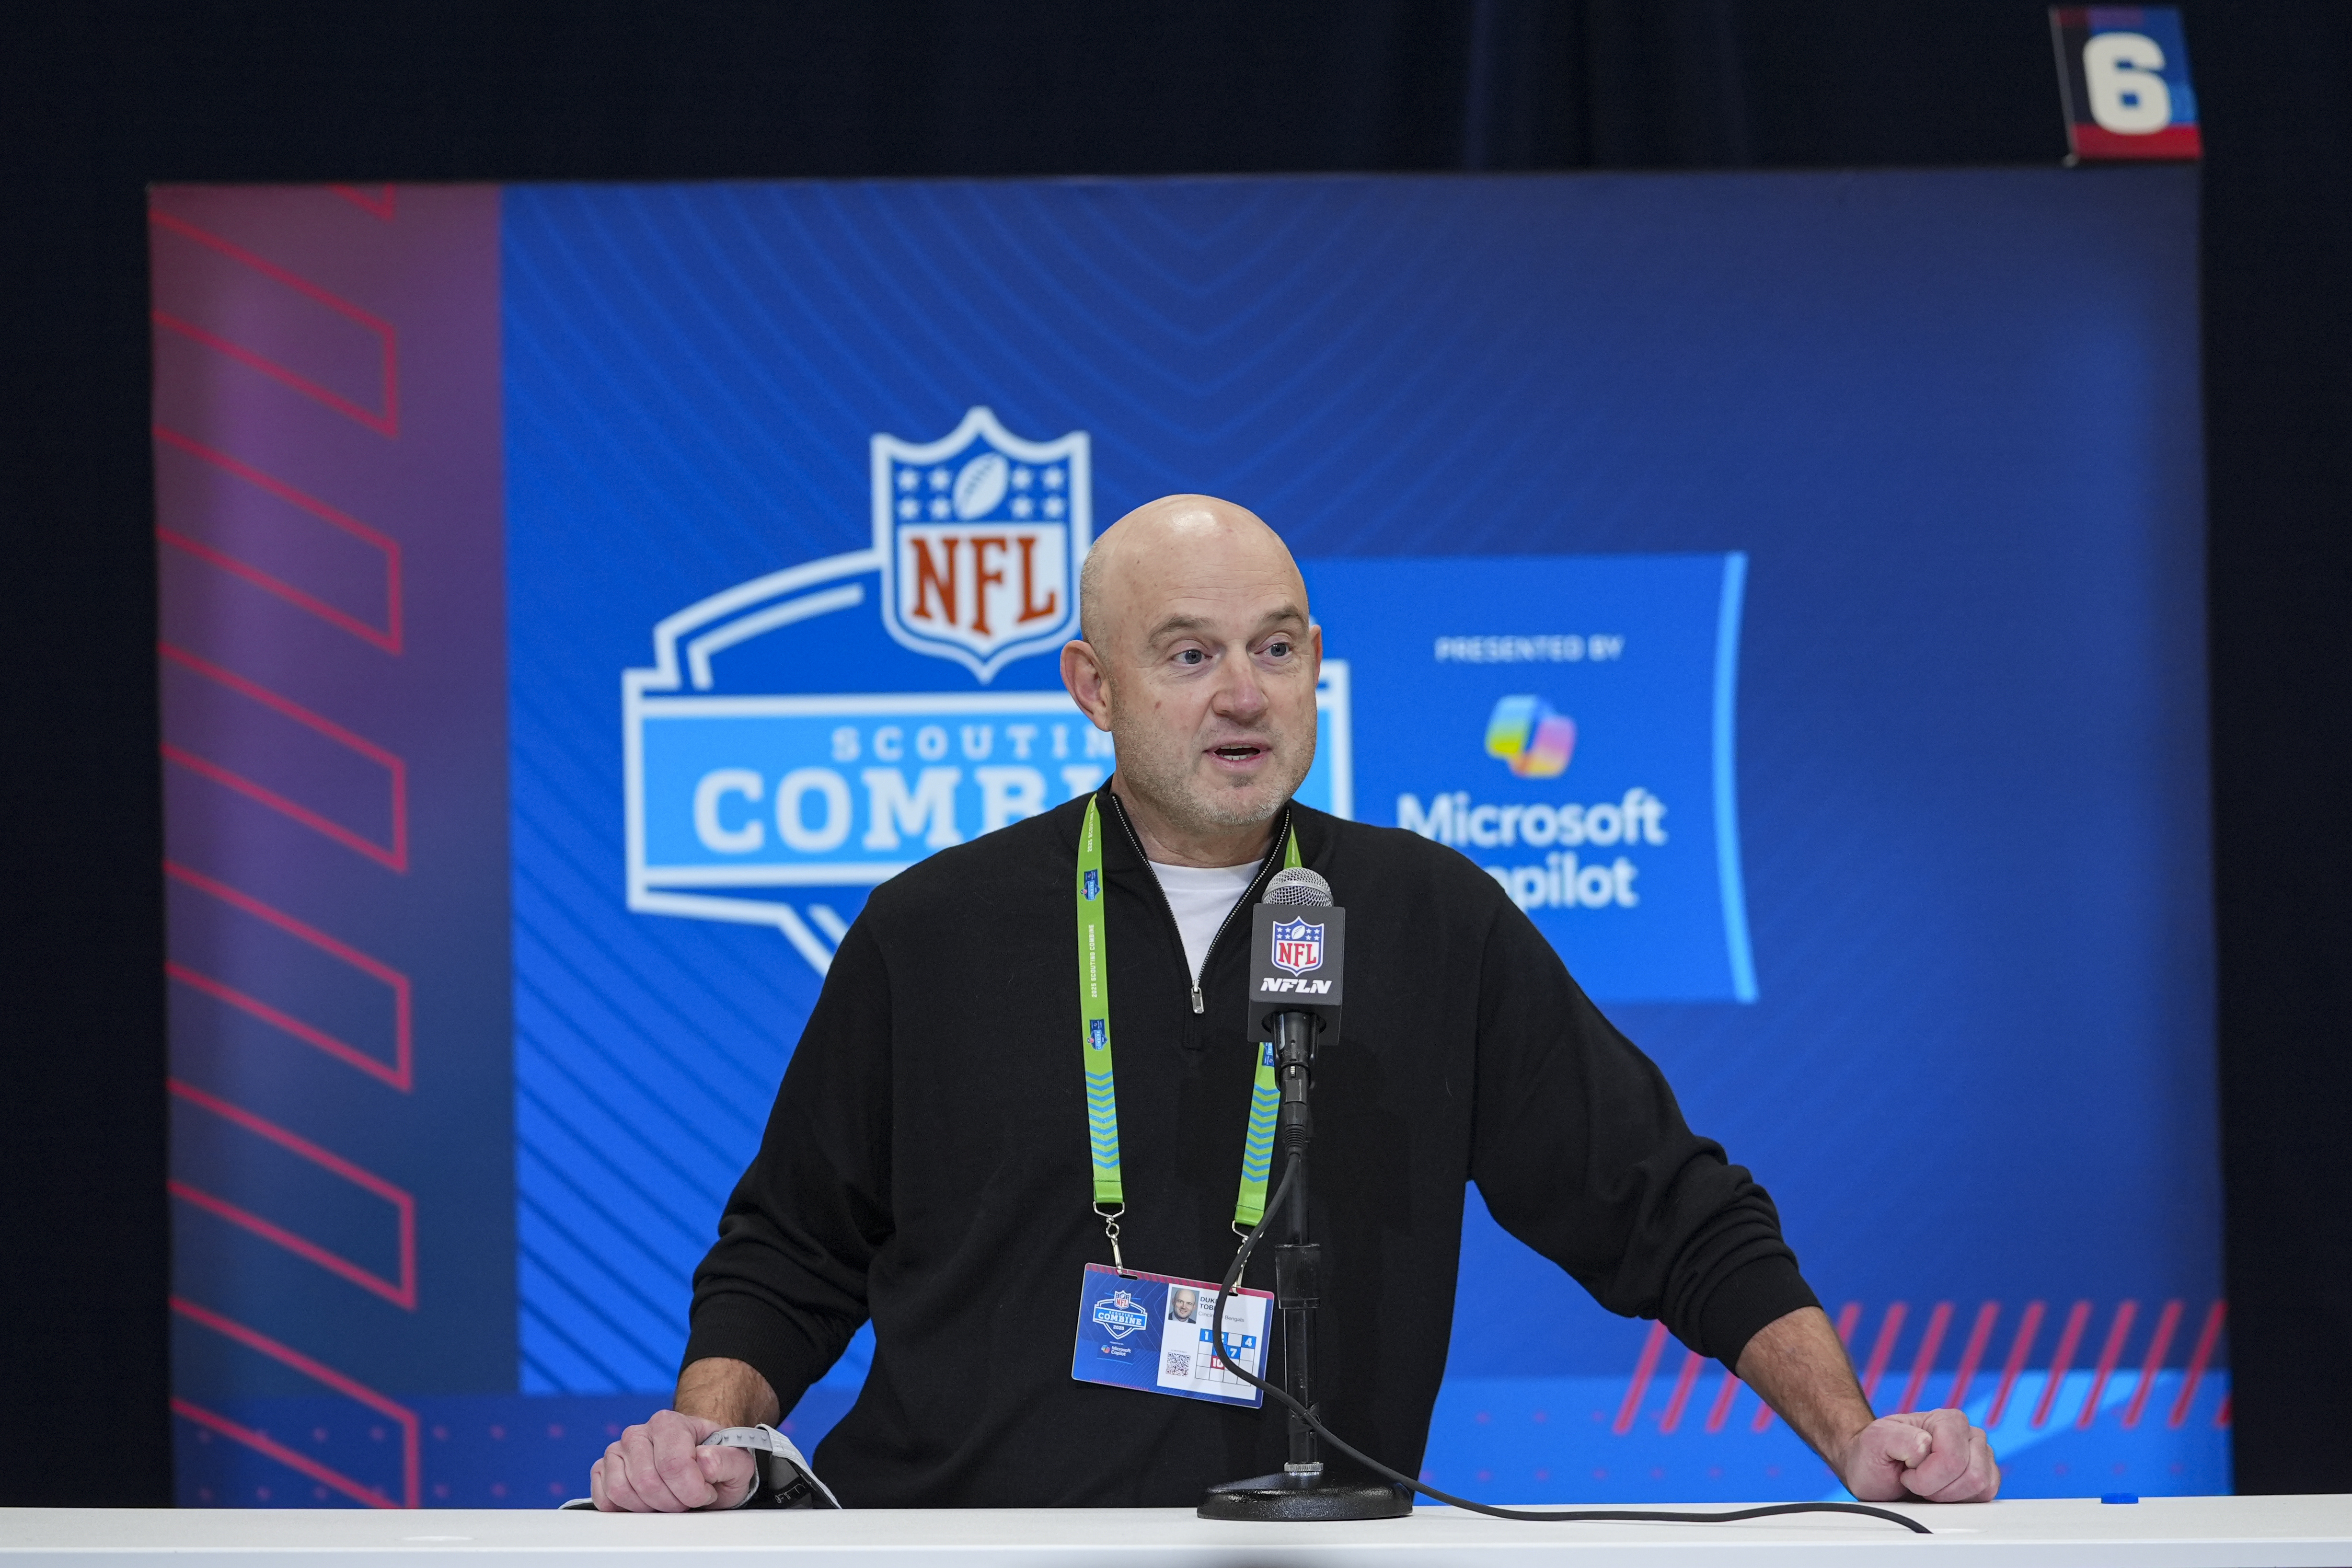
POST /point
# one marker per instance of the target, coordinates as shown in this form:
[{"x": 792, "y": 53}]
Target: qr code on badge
[{"x": 1180, "y": 1364}]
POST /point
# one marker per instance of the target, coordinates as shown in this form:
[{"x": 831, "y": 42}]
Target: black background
[{"x": 96, "y": 99}]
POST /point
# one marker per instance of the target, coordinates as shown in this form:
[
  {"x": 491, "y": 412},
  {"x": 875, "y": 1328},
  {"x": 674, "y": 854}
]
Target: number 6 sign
[{"x": 2125, "y": 73}]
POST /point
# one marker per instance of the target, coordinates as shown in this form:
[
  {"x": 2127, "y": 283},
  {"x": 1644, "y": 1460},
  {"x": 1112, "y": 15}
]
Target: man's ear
[{"x": 1089, "y": 684}]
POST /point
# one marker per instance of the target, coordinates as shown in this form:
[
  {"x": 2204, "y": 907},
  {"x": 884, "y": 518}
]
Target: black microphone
[
  {"x": 1297, "y": 944},
  {"x": 1298, "y": 941}
]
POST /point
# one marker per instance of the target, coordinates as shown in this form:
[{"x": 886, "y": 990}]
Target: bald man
[{"x": 926, "y": 1164}]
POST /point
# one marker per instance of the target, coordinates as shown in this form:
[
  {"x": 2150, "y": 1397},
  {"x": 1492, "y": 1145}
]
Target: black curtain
[{"x": 98, "y": 98}]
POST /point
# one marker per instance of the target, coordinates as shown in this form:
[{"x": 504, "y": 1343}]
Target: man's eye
[
  {"x": 1278, "y": 650},
  {"x": 1191, "y": 656}
]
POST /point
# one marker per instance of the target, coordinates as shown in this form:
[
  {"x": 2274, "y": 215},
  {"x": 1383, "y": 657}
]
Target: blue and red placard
[{"x": 2125, "y": 73}]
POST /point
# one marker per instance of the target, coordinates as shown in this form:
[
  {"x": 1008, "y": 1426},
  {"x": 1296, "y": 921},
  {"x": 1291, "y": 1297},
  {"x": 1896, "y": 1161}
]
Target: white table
[{"x": 2160, "y": 1533}]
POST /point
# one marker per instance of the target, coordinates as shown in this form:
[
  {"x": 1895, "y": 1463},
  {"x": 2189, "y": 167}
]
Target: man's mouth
[{"x": 1240, "y": 751}]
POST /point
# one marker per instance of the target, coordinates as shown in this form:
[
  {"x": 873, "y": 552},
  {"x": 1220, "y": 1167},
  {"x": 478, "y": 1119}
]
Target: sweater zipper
[{"x": 1170, "y": 909}]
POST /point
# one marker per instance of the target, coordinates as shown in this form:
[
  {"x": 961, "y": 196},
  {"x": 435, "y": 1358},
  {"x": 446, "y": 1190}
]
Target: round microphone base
[{"x": 1298, "y": 1497}]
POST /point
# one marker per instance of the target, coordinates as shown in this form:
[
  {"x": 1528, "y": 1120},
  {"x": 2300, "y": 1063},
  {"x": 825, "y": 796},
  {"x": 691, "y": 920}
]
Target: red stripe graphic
[
  {"x": 400, "y": 1074},
  {"x": 2061, "y": 1363},
  {"x": 385, "y": 421},
  {"x": 358, "y": 1491},
  {"x": 1980, "y": 1337},
  {"x": 2028, "y": 1328},
  {"x": 381, "y": 202},
  {"x": 277, "y": 586},
  {"x": 401, "y": 1292},
  {"x": 1890, "y": 1329},
  {"x": 411, "y": 1450},
  {"x": 2117, "y": 1333},
  {"x": 2159, "y": 1343},
  {"x": 393, "y": 856},
  {"x": 2206, "y": 1338},
  {"x": 1643, "y": 1369},
  {"x": 278, "y": 802},
  {"x": 1720, "y": 1411},
  {"x": 1684, "y": 1381},
  {"x": 1925, "y": 1361},
  {"x": 387, "y": 637},
  {"x": 1888, "y": 1339}
]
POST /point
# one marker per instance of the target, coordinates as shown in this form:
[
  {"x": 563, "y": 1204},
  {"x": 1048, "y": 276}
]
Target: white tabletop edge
[{"x": 2312, "y": 1531}]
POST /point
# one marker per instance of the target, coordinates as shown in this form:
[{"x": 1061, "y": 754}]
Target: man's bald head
[
  {"x": 1198, "y": 655},
  {"x": 1135, "y": 555}
]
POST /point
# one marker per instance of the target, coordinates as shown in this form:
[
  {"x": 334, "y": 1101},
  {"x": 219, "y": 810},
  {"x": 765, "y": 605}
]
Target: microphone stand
[{"x": 1303, "y": 1489}]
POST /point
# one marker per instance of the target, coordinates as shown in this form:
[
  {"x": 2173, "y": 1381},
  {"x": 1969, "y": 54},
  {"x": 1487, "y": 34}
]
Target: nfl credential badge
[
  {"x": 1155, "y": 1333},
  {"x": 980, "y": 534}
]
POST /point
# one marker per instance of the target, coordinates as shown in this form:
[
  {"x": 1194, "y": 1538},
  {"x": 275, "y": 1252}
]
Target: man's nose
[{"x": 1239, "y": 695}]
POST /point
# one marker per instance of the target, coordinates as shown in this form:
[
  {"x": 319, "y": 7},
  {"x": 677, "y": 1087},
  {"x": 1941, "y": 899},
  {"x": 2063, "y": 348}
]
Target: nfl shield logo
[
  {"x": 981, "y": 534},
  {"x": 1298, "y": 946}
]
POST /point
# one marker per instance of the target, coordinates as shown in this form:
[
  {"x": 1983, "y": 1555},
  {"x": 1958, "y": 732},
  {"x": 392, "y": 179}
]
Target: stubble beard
[{"x": 1164, "y": 775}]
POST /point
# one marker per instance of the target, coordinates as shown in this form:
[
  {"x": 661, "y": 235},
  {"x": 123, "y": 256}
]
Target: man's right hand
[{"x": 659, "y": 1467}]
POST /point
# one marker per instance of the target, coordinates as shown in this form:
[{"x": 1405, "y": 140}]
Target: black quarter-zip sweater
[{"x": 926, "y": 1164}]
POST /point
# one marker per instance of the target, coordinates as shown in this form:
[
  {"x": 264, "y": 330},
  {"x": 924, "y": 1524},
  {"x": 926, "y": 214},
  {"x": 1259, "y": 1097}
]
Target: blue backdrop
[{"x": 1952, "y": 995}]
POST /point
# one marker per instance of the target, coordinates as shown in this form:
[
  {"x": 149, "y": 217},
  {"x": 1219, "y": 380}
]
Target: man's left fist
[{"x": 1931, "y": 1454}]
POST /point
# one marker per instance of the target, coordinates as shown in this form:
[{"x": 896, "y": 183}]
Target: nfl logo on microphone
[{"x": 1298, "y": 946}]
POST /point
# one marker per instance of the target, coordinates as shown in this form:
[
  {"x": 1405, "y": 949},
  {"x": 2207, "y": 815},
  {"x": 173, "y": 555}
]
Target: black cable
[{"x": 1545, "y": 1516}]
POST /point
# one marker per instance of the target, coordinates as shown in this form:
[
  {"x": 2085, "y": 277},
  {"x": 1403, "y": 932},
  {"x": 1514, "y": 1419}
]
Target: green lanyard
[{"x": 1094, "y": 1025}]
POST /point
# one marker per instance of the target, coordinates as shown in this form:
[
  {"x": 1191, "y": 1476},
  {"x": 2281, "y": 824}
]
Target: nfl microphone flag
[{"x": 1297, "y": 954}]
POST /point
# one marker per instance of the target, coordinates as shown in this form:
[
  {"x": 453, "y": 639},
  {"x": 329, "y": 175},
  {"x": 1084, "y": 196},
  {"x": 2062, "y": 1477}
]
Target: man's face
[{"x": 1210, "y": 677}]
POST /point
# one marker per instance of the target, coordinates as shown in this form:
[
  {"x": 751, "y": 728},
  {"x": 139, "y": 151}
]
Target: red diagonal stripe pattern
[
  {"x": 2117, "y": 1331},
  {"x": 377, "y": 201},
  {"x": 412, "y": 1458},
  {"x": 2028, "y": 1328},
  {"x": 385, "y": 421},
  {"x": 388, "y": 637},
  {"x": 1643, "y": 1370},
  {"x": 1890, "y": 1329},
  {"x": 2114, "y": 1346},
  {"x": 2207, "y": 1339},
  {"x": 2061, "y": 1361},
  {"x": 1980, "y": 1337},
  {"x": 392, "y": 856},
  {"x": 400, "y": 1073},
  {"x": 1680, "y": 1399},
  {"x": 1925, "y": 1361},
  {"x": 401, "y": 1292},
  {"x": 1720, "y": 1411},
  {"x": 2167, "y": 1323}
]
